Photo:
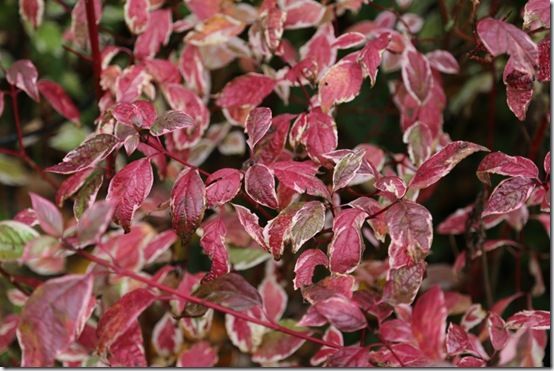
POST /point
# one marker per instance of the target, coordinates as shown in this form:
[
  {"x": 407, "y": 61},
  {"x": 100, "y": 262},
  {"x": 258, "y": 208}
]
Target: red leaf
[
  {"x": 257, "y": 125},
  {"x": 277, "y": 231},
  {"x": 349, "y": 40},
  {"x": 187, "y": 203},
  {"x": 533, "y": 319},
  {"x": 331, "y": 335},
  {"x": 306, "y": 223},
  {"x": 320, "y": 135},
  {"x": 391, "y": 184},
  {"x": 342, "y": 313},
  {"x": 429, "y": 323},
  {"x": 128, "y": 349},
  {"x": 140, "y": 113},
  {"x": 243, "y": 334},
  {"x": 155, "y": 35},
  {"x": 121, "y": 316},
  {"x": 32, "y": 11},
  {"x": 222, "y": 186},
  {"x": 52, "y": 318},
  {"x": 231, "y": 291},
  {"x": 163, "y": 71},
  {"x": 130, "y": 83},
  {"x": 213, "y": 244},
  {"x": 442, "y": 162},
  {"x": 340, "y": 83},
  {"x": 443, "y": 61},
  {"x": 201, "y": 354},
  {"x": 503, "y": 164},
  {"x": 260, "y": 185},
  {"x": 416, "y": 74},
  {"x": 500, "y": 37},
  {"x": 169, "y": 122},
  {"x": 166, "y": 336},
  {"x": 519, "y": 87},
  {"x": 249, "y": 89},
  {"x": 89, "y": 153},
  {"x": 403, "y": 284},
  {"x": 136, "y": 15},
  {"x": 305, "y": 266},
  {"x": 215, "y": 30},
  {"x": 457, "y": 340},
  {"x": 370, "y": 56},
  {"x": 411, "y": 227},
  {"x": 59, "y": 100},
  {"x": 94, "y": 222},
  {"x": 23, "y": 74},
  {"x": 509, "y": 195},
  {"x": 498, "y": 332},
  {"x": 48, "y": 215},
  {"x": 274, "y": 298},
  {"x": 536, "y": 14},
  {"x": 129, "y": 188},
  {"x": 543, "y": 69},
  {"x": 300, "y": 176},
  {"x": 345, "y": 250}
]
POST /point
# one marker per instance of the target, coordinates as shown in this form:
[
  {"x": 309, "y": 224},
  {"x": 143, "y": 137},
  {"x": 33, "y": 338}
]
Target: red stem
[
  {"x": 151, "y": 283},
  {"x": 94, "y": 45},
  {"x": 537, "y": 139}
]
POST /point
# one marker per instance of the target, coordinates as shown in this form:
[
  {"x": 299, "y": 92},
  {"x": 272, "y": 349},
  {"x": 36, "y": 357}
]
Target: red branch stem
[{"x": 193, "y": 299}]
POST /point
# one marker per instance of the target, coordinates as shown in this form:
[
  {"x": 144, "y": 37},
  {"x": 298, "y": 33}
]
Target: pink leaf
[
  {"x": 536, "y": 14},
  {"x": 32, "y": 11},
  {"x": 130, "y": 83},
  {"x": 509, "y": 195},
  {"x": 271, "y": 146},
  {"x": 410, "y": 226},
  {"x": 129, "y": 188},
  {"x": 8, "y": 329},
  {"x": 342, "y": 313},
  {"x": 155, "y": 35},
  {"x": 391, "y": 184},
  {"x": 321, "y": 133},
  {"x": 128, "y": 349},
  {"x": 170, "y": 121},
  {"x": 403, "y": 284},
  {"x": 519, "y": 87},
  {"x": 187, "y": 203},
  {"x": 163, "y": 71},
  {"x": 277, "y": 346},
  {"x": 349, "y": 40},
  {"x": 457, "y": 340},
  {"x": 346, "y": 169},
  {"x": 52, "y": 318},
  {"x": 94, "y": 222},
  {"x": 213, "y": 244},
  {"x": 23, "y": 75},
  {"x": 370, "y": 56},
  {"x": 443, "y": 61},
  {"x": 249, "y": 222},
  {"x": 471, "y": 362},
  {"x": 249, "y": 89},
  {"x": 89, "y": 153},
  {"x": 136, "y": 15},
  {"x": 306, "y": 223},
  {"x": 503, "y": 164},
  {"x": 429, "y": 323},
  {"x": 59, "y": 100},
  {"x": 243, "y": 334},
  {"x": 498, "y": 333},
  {"x": 48, "y": 215},
  {"x": 442, "y": 162},
  {"x": 349, "y": 356},
  {"x": 257, "y": 125},
  {"x": 140, "y": 113},
  {"x": 303, "y": 13},
  {"x": 222, "y": 186},
  {"x": 345, "y": 250},
  {"x": 166, "y": 336},
  {"x": 416, "y": 74},
  {"x": 121, "y": 316},
  {"x": 274, "y": 298},
  {"x": 341, "y": 83},
  {"x": 158, "y": 245},
  {"x": 201, "y": 354},
  {"x": 305, "y": 266},
  {"x": 533, "y": 319},
  {"x": 259, "y": 184},
  {"x": 277, "y": 231},
  {"x": 500, "y": 37},
  {"x": 331, "y": 335},
  {"x": 300, "y": 176},
  {"x": 215, "y": 30}
]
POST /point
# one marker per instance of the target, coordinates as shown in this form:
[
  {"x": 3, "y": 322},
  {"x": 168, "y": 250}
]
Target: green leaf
[
  {"x": 12, "y": 171},
  {"x": 243, "y": 258},
  {"x": 13, "y": 238}
]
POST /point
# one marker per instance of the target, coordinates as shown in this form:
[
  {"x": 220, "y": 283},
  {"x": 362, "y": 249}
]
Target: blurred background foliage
[{"x": 476, "y": 100}]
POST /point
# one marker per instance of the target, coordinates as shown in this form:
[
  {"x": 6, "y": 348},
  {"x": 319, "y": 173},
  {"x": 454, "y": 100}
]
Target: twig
[{"x": 193, "y": 299}]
